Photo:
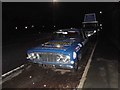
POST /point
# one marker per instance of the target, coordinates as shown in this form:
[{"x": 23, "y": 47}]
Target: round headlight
[
  {"x": 32, "y": 54},
  {"x": 68, "y": 57},
  {"x": 74, "y": 55},
  {"x": 28, "y": 56}
]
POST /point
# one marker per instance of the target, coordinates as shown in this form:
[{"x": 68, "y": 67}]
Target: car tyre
[
  {"x": 75, "y": 67},
  {"x": 76, "y": 64}
]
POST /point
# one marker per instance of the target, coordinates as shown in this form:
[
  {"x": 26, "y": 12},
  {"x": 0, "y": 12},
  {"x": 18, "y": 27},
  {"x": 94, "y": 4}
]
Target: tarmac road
[
  {"x": 103, "y": 72},
  {"x": 14, "y": 52}
]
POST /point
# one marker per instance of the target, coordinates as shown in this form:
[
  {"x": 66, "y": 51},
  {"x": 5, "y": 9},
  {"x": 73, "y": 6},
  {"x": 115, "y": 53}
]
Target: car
[
  {"x": 64, "y": 51},
  {"x": 90, "y": 25}
]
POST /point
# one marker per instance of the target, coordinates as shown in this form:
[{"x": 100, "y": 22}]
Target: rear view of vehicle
[{"x": 90, "y": 24}]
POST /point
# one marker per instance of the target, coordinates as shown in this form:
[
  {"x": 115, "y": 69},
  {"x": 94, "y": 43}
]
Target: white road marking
[
  {"x": 82, "y": 80},
  {"x": 13, "y": 70},
  {"x": 10, "y": 77},
  {"x": 13, "y": 73}
]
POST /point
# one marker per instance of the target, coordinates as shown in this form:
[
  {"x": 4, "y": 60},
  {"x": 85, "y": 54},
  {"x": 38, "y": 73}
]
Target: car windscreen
[{"x": 62, "y": 35}]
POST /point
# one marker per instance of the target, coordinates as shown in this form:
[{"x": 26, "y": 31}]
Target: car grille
[{"x": 47, "y": 57}]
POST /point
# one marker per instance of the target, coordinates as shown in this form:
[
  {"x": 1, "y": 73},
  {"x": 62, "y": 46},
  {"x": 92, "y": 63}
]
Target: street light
[
  {"x": 100, "y": 12},
  {"x": 32, "y": 26},
  {"x": 16, "y": 28},
  {"x": 26, "y": 27}
]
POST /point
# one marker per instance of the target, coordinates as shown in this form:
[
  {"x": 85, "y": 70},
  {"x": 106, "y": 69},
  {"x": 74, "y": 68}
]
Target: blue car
[{"x": 64, "y": 51}]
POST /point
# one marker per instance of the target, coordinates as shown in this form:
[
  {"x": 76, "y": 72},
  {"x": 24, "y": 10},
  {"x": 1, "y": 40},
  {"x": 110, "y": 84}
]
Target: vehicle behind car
[{"x": 90, "y": 24}]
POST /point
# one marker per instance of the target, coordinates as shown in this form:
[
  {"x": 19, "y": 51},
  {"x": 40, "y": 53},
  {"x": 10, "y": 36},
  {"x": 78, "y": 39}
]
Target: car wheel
[
  {"x": 75, "y": 67},
  {"x": 76, "y": 64}
]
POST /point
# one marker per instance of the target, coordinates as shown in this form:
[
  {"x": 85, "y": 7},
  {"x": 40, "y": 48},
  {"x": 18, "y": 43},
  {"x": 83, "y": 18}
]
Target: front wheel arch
[{"x": 77, "y": 63}]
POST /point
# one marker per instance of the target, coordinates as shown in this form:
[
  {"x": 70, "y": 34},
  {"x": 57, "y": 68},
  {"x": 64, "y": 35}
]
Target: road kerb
[{"x": 82, "y": 80}]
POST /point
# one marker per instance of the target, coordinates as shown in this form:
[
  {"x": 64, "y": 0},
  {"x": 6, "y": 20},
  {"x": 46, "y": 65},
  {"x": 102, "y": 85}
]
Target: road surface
[{"x": 103, "y": 71}]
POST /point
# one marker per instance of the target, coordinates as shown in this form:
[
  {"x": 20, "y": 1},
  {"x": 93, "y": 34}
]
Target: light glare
[
  {"x": 72, "y": 62},
  {"x": 58, "y": 46},
  {"x": 100, "y": 12},
  {"x": 94, "y": 31},
  {"x": 100, "y": 24},
  {"x": 15, "y": 27},
  {"x": 54, "y": 0},
  {"x": 26, "y": 27},
  {"x": 32, "y": 25}
]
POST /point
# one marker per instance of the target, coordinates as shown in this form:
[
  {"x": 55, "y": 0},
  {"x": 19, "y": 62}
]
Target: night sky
[
  {"x": 61, "y": 14},
  {"x": 51, "y": 13}
]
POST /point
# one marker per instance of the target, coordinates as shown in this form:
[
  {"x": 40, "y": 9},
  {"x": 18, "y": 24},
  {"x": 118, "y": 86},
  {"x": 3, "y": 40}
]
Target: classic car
[{"x": 63, "y": 51}]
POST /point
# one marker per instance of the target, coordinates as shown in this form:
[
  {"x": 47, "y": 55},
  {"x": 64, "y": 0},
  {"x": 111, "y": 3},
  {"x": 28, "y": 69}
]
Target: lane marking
[
  {"x": 13, "y": 70},
  {"x": 82, "y": 80},
  {"x": 13, "y": 73}
]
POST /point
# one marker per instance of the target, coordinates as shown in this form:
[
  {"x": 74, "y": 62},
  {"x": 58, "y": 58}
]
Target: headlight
[
  {"x": 89, "y": 35},
  {"x": 66, "y": 59},
  {"x": 94, "y": 31},
  {"x": 74, "y": 55},
  {"x": 63, "y": 58},
  {"x": 31, "y": 56}
]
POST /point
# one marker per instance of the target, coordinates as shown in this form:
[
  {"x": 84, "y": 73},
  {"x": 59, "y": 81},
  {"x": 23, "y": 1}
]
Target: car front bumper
[{"x": 54, "y": 64}]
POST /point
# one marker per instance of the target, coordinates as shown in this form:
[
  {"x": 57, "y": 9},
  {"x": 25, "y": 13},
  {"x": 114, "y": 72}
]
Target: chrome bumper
[{"x": 54, "y": 64}]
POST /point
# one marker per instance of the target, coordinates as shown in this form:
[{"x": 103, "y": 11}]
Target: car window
[
  {"x": 70, "y": 34},
  {"x": 73, "y": 35}
]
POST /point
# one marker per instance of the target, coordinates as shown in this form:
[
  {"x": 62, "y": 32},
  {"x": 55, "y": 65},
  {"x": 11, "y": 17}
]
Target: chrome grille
[{"x": 47, "y": 57}]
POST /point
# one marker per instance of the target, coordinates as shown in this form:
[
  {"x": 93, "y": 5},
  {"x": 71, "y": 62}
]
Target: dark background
[{"x": 44, "y": 15}]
